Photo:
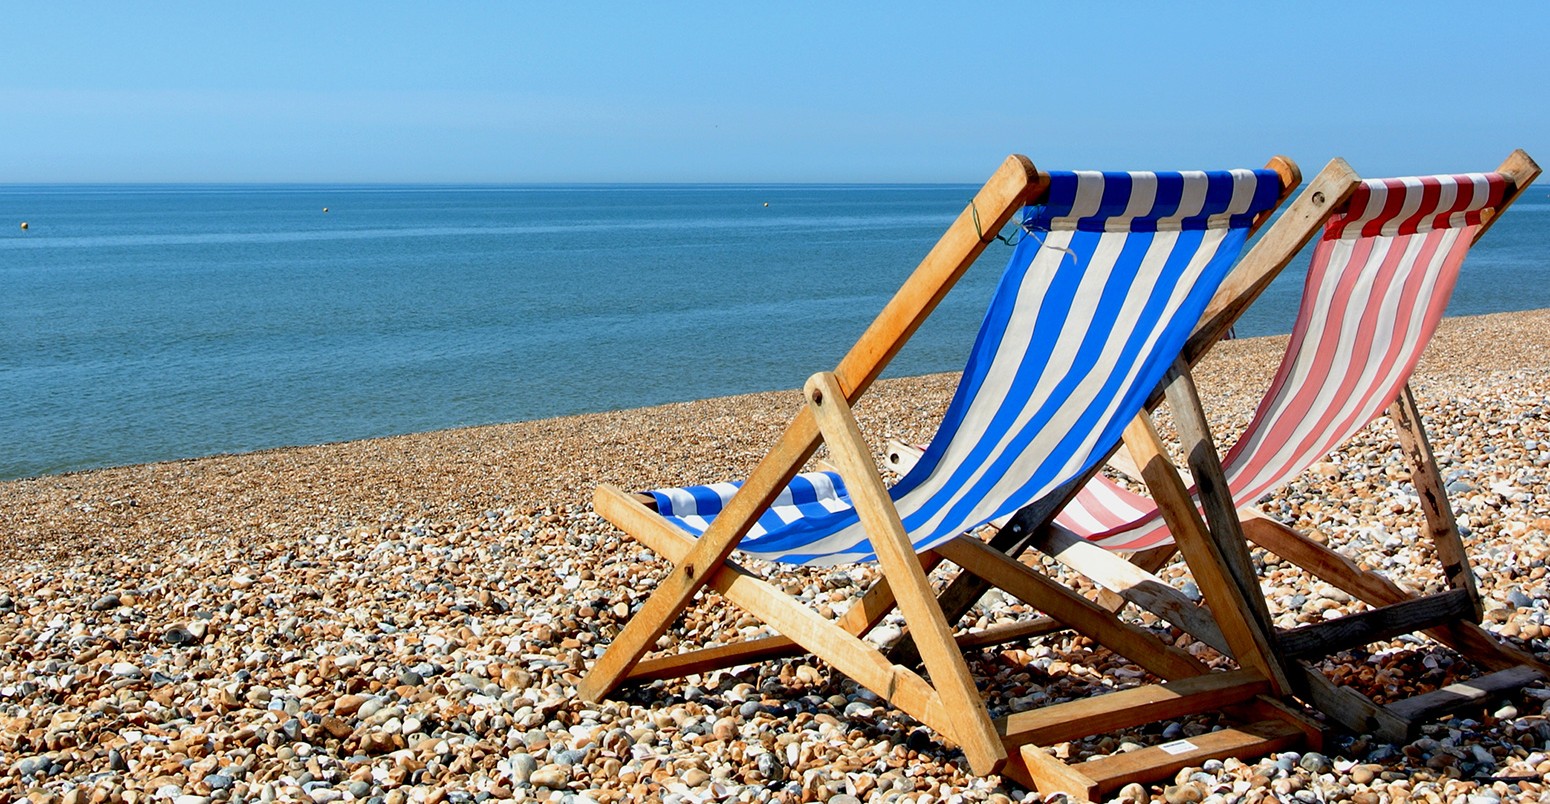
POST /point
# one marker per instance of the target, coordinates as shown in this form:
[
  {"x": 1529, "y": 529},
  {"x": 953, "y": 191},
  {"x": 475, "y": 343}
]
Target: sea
[{"x": 145, "y": 323}]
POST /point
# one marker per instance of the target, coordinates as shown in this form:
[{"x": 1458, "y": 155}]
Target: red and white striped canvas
[{"x": 1381, "y": 276}]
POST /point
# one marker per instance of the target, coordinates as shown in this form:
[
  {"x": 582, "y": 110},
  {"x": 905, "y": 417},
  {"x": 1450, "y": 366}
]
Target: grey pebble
[
  {"x": 31, "y": 765},
  {"x": 858, "y": 709},
  {"x": 522, "y": 766},
  {"x": 178, "y": 635},
  {"x": 770, "y": 766},
  {"x": 1314, "y": 762}
]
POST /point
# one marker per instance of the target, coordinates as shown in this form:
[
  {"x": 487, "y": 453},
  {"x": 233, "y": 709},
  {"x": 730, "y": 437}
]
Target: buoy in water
[
  {"x": 325, "y": 209},
  {"x": 24, "y": 226},
  {"x": 766, "y": 203}
]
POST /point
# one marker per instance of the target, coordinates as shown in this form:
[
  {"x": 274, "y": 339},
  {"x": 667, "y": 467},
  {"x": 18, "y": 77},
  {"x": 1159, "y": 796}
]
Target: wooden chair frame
[
  {"x": 1451, "y": 617},
  {"x": 949, "y": 703}
]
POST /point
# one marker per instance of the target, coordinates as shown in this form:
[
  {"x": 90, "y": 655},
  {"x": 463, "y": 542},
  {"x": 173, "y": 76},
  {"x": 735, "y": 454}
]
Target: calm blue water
[{"x": 147, "y": 323}]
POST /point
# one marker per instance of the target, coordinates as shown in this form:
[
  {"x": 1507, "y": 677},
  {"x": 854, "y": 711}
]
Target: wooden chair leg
[
  {"x": 973, "y": 730},
  {"x": 1233, "y": 612},
  {"x": 674, "y": 593},
  {"x": 1429, "y": 487}
]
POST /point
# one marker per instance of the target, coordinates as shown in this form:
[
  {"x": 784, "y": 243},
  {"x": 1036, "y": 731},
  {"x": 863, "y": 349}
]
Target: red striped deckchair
[{"x": 1381, "y": 276}]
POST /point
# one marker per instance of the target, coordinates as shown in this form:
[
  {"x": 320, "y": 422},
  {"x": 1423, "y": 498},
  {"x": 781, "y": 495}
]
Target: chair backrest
[
  {"x": 1112, "y": 273},
  {"x": 1380, "y": 279}
]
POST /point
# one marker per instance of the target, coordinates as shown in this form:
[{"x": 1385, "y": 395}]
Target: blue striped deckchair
[{"x": 1098, "y": 300}]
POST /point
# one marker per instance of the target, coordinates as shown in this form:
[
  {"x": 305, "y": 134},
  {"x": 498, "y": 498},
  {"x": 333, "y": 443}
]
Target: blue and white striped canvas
[{"x": 1095, "y": 304}]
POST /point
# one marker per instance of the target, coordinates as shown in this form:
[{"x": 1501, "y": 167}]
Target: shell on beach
[{"x": 406, "y": 619}]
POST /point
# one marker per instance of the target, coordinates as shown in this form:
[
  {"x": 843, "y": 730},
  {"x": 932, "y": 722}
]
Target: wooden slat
[
  {"x": 1036, "y": 589},
  {"x": 758, "y": 649},
  {"x": 1014, "y": 183},
  {"x": 1010, "y": 632},
  {"x": 1266, "y": 707},
  {"x": 1252, "y": 740},
  {"x": 1465, "y": 695},
  {"x": 1131, "y": 582},
  {"x": 1432, "y": 492},
  {"x": 705, "y": 660},
  {"x": 1351, "y": 709},
  {"x": 1365, "y": 627},
  {"x": 1149, "y": 561},
  {"x": 1319, "y": 559},
  {"x": 1035, "y": 769},
  {"x": 1122, "y": 709},
  {"x": 1096, "y": 779},
  {"x": 972, "y": 729}
]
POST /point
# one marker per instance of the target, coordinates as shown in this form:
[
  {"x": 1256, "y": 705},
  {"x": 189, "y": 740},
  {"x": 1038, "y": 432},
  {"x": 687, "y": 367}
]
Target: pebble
[
  {"x": 178, "y": 635},
  {"x": 1313, "y": 762},
  {"x": 551, "y": 776},
  {"x": 522, "y": 766},
  {"x": 406, "y": 620}
]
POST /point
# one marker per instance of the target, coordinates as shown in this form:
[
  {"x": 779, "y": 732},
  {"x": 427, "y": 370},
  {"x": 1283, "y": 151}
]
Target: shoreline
[
  {"x": 1231, "y": 377},
  {"x": 414, "y": 610}
]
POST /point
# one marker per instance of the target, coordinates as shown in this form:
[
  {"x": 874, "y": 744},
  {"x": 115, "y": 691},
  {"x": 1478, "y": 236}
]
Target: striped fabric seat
[
  {"x": 1380, "y": 278},
  {"x": 1093, "y": 307}
]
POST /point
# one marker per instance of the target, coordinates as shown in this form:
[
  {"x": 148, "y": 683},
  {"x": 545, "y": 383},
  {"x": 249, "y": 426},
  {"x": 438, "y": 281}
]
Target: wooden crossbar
[
  {"x": 1132, "y": 707},
  {"x": 1374, "y": 625}
]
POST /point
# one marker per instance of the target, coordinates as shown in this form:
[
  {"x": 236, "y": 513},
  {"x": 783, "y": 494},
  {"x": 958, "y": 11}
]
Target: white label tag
[{"x": 1179, "y": 747}]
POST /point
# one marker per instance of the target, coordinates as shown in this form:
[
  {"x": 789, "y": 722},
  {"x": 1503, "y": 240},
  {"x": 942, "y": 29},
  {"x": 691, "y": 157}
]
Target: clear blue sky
[{"x": 544, "y": 92}]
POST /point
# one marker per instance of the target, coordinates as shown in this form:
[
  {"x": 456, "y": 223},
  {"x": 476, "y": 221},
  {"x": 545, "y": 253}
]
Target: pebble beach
[{"x": 406, "y": 619}]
